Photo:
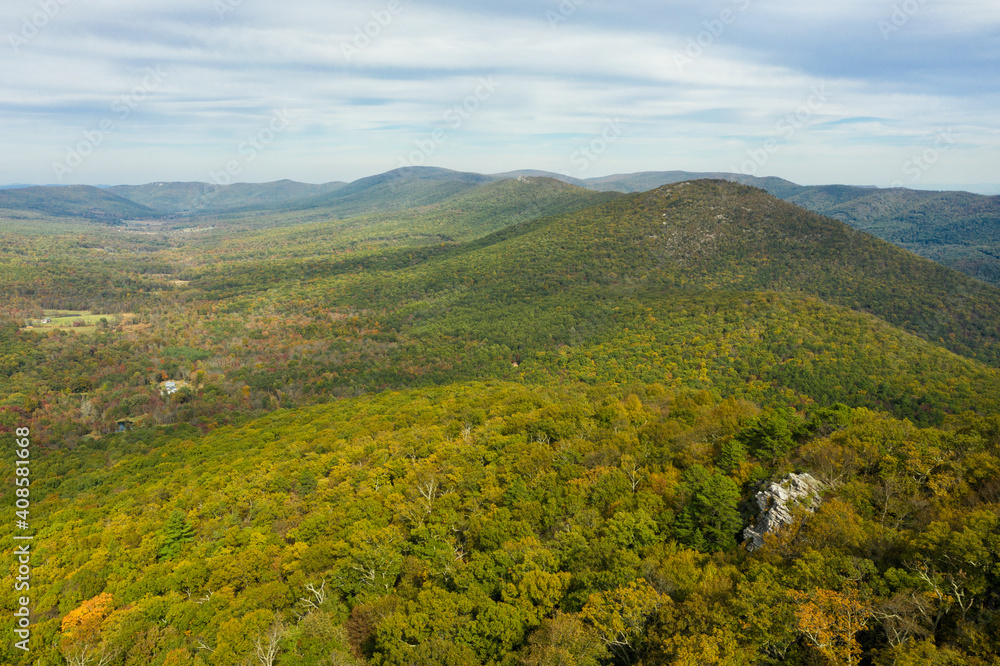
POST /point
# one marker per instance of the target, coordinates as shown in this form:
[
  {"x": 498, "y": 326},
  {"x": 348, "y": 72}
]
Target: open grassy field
[{"x": 80, "y": 321}]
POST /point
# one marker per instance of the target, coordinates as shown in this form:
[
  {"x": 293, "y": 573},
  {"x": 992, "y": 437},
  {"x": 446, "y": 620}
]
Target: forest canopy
[{"x": 514, "y": 423}]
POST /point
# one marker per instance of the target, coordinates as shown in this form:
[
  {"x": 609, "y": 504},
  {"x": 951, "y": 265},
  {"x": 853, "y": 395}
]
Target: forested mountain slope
[
  {"x": 709, "y": 285},
  {"x": 651, "y": 180},
  {"x": 395, "y": 190},
  {"x": 504, "y": 524},
  {"x": 957, "y": 229},
  {"x": 721, "y": 236},
  {"x": 624, "y": 291},
  {"x": 208, "y": 198},
  {"x": 520, "y": 423},
  {"x": 80, "y": 201}
]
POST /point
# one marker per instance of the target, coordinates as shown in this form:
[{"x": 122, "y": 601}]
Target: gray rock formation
[{"x": 776, "y": 503}]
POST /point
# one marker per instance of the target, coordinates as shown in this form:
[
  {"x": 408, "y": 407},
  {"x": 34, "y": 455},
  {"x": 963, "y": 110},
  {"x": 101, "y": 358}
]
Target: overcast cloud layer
[{"x": 847, "y": 91}]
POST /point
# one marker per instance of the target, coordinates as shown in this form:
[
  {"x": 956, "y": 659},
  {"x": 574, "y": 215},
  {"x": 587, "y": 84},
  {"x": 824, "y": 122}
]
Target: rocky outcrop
[{"x": 777, "y": 502}]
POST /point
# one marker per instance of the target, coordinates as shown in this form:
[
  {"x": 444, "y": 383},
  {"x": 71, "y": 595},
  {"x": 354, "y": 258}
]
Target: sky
[{"x": 863, "y": 92}]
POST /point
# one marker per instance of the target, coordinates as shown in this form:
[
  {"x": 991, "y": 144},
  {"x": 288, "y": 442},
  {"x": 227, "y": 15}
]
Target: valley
[{"x": 437, "y": 417}]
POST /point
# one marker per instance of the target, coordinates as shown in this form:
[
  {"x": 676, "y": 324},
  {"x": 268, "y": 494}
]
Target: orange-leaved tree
[
  {"x": 81, "y": 642},
  {"x": 830, "y": 620}
]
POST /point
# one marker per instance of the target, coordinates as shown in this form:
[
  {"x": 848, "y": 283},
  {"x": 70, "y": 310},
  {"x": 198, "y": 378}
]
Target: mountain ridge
[
  {"x": 960, "y": 230},
  {"x": 463, "y": 431},
  {"x": 80, "y": 201}
]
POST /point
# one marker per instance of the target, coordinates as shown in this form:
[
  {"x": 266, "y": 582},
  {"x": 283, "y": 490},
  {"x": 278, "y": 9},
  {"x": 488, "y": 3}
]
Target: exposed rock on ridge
[{"x": 776, "y": 503}]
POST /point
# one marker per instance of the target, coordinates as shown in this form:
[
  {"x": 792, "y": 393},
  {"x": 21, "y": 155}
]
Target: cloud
[{"x": 696, "y": 84}]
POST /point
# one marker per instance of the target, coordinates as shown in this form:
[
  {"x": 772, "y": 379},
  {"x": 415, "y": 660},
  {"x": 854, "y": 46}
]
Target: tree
[
  {"x": 709, "y": 518},
  {"x": 176, "y": 533},
  {"x": 830, "y": 620},
  {"x": 564, "y": 641},
  {"x": 771, "y": 437},
  {"x": 772, "y": 631},
  {"x": 82, "y": 643},
  {"x": 620, "y": 616},
  {"x": 267, "y": 646}
]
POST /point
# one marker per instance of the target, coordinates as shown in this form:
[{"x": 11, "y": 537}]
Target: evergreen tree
[
  {"x": 771, "y": 437},
  {"x": 709, "y": 519},
  {"x": 176, "y": 533}
]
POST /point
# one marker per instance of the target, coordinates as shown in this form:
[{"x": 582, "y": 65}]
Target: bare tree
[
  {"x": 313, "y": 601},
  {"x": 900, "y": 618},
  {"x": 428, "y": 489},
  {"x": 636, "y": 475},
  {"x": 90, "y": 655},
  {"x": 266, "y": 647}
]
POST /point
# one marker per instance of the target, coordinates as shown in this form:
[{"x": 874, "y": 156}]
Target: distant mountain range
[
  {"x": 80, "y": 201},
  {"x": 958, "y": 229},
  {"x": 195, "y": 198}
]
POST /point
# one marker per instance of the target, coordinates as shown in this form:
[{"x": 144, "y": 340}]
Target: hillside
[
  {"x": 722, "y": 236},
  {"x": 80, "y": 201},
  {"x": 305, "y": 240},
  {"x": 488, "y": 523},
  {"x": 627, "y": 183},
  {"x": 536, "y": 279},
  {"x": 408, "y": 187},
  {"x": 608, "y": 292},
  {"x": 957, "y": 229},
  {"x": 396, "y": 190},
  {"x": 522, "y": 422},
  {"x": 650, "y": 180},
  {"x": 205, "y": 198}
]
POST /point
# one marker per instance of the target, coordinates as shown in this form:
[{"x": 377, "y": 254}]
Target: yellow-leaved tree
[
  {"x": 82, "y": 643},
  {"x": 619, "y": 616},
  {"x": 830, "y": 620}
]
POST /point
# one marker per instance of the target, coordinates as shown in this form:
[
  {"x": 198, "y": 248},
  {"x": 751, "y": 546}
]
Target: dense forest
[
  {"x": 501, "y": 523},
  {"x": 507, "y": 422}
]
